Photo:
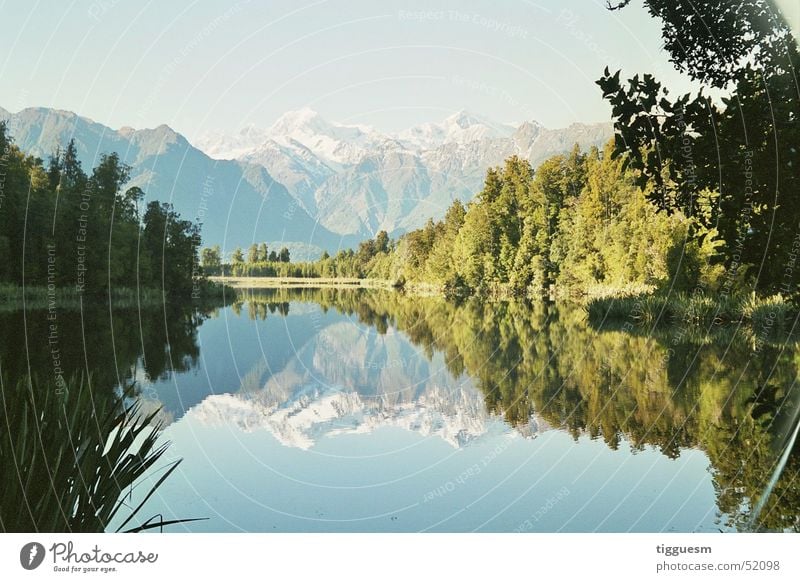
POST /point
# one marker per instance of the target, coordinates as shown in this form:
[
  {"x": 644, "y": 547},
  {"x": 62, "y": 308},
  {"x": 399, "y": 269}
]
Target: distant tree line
[
  {"x": 260, "y": 262},
  {"x": 578, "y": 222},
  {"x": 347, "y": 263},
  {"x": 61, "y": 227}
]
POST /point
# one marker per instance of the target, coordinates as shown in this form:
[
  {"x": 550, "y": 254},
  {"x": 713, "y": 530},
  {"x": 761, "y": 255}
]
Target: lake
[{"x": 338, "y": 410}]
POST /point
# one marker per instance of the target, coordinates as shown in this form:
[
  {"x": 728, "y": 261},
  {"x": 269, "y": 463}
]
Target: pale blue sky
[{"x": 216, "y": 65}]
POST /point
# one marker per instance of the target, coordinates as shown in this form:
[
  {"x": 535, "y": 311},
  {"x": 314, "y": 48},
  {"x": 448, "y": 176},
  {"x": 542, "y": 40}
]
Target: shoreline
[
  {"x": 637, "y": 306},
  {"x": 36, "y": 297},
  {"x": 297, "y": 282},
  {"x": 322, "y": 283}
]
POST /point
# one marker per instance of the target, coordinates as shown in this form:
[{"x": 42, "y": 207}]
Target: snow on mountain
[
  {"x": 221, "y": 146},
  {"x": 306, "y": 179},
  {"x": 335, "y": 143},
  {"x": 461, "y": 128},
  {"x": 356, "y": 180},
  {"x": 293, "y": 165},
  {"x": 342, "y": 380},
  {"x": 457, "y": 418},
  {"x": 229, "y": 197}
]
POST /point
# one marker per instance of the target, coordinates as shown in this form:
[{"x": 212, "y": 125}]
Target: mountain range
[
  {"x": 357, "y": 180},
  {"x": 305, "y": 180}
]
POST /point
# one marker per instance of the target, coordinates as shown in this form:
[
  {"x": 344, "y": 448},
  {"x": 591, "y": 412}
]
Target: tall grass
[
  {"x": 693, "y": 310},
  {"x": 70, "y": 457},
  {"x": 14, "y": 297}
]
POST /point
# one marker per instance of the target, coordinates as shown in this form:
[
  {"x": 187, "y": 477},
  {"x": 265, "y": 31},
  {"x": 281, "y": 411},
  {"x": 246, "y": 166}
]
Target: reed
[
  {"x": 696, "y": 310},
  {"x": 72, "y": 458}
]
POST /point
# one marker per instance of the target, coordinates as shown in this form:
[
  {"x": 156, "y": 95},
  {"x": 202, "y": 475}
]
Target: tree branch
[{"x": 618, "y": 5}]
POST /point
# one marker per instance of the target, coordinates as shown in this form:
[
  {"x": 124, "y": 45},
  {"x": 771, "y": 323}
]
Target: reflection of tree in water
[
  {"x": 670, "y": 389},
  {"x": 109, "y": 346},
  {"x": 74, "y": 449}
]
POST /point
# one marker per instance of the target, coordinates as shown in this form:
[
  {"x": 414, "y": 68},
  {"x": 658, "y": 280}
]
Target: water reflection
[
  {"x": 339, "y": 378},
  {"x": 537, "y": 366},
  {"x": 76, "y": 440}
]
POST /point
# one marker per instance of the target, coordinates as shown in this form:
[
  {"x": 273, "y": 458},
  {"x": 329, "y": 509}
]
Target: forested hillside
[{"x": 63, "y": 228}]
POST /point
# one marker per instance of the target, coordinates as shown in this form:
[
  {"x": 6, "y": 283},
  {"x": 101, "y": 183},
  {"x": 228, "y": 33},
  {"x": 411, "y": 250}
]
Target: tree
[
  {"x": 64, "y": 228},
  {"x": 252, "y": 254},
  {"x": 263, "y": 253},
  {"x": 273, "y": 256},
  {"x": 382, "y": 242},
  {"x": 171, "y": 246},
  {"x": 710, "y": 163},
  {"x": 237, "y": 257},
  {"x": 283, "y": 256},
  {"x": 211, "y": 260}
]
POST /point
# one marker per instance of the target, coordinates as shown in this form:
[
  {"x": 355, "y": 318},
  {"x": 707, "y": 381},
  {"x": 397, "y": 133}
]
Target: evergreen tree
[{"x": 252, "y": 254}]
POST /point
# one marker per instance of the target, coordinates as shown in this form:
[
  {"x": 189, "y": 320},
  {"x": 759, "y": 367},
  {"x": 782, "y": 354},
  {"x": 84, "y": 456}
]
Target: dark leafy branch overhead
[{"x": 731, "y": 165}]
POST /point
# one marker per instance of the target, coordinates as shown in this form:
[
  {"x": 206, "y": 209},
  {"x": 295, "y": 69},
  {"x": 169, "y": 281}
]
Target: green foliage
[
  {"x": 211, "y": 260},
  {"x": 762, "y": 315},
  {"x": 252, "y": 254},
  {"x": 74, "y": 463},
  {"x": 579, "y": 222},
  {"x": 63, "y": 228},
  {"x": 578, "y": 225},
  {"x": 237, "y": 257},
  {"x": 372, "y": 258},
  {"x": 708, "y": 161}
]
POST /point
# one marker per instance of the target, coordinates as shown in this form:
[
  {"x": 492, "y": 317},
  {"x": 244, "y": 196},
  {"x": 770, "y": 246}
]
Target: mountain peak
[
  {"x": 464, "y": 119},
  {"x": 303, "y": 119}
]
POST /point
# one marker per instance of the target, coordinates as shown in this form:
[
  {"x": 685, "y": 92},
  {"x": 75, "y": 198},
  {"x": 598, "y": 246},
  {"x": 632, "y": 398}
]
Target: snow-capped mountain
[
  {"x": 237, "y": 202},
  {"x": 221, "y": 146},
  {"x": 356, "y": 180},
  {"x": 305, "y": 179},
  {"x": 461, "y": 128}
]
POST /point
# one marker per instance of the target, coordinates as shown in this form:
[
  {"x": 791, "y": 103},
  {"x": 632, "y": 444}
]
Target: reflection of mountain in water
[
  {"x": 445, "y": 370},
  {"x": 349, "y": 379}
]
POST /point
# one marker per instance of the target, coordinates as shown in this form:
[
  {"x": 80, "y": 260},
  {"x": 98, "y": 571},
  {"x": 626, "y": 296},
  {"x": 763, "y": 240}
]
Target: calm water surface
[{"x": 352, "y": 410}]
